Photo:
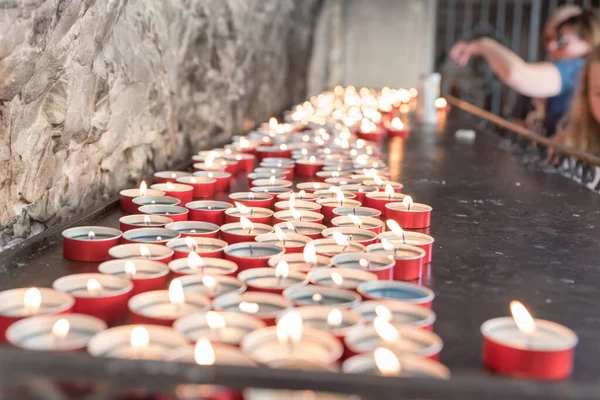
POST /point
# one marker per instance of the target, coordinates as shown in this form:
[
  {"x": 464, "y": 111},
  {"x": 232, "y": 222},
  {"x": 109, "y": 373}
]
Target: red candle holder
[
  {"x": 202, "y": 188},
  {"x": 249, "y": 255},
  {"x": 177, "y": 190},
  {"x": 237, "y": 232},
  {"x": 357, "y": 211},
  {"x": 269, "y": 280},
  {"x": 205, "y": 247},
  {"x": 223, "y": 179},
  {"x": 156, "y": 308},
  {"x": 379, "y": 265},
  {"x": 374, "y": 225},
  {"x": 101, "y": 296},
  {"x": 341, "y": 278},
  {"x": 414, "y": 216},
  {"x": 397, "y": 311},
  {"x": 208, "y": 211},
  {"x": 408, "y": 259},
  {"x": 17, "y": 304},
  {"x": 397, "y": 290},
  {"x": 89, "y": 243},
  {"x": 298, "y": 205},
  {"x": 298, "y": 262},
  {"x": 145, "y": 275},
  {"x": 291, "y": 242},
  {"x": 416, "y": 239},
  {"x": 265, "y": 306},
  {"x": 136, "y": 221},
  {"x": 255, "y": 215},
  {"x": 378, "y": 200},
  {"x": 329, "y": 247},
  {"x": 308, "y": 167},
  {"x": 330, "y": 204},
  {"x": 362, "y": 236},
  {"x": 169, "y": 176},
  {"x": 310, "y": 229},
  {"x": 302, "y": 196},
  {"x": 195, "y": 229},
  {"x": 196, "y": 265},
  {"x": 245, "y": 162},
  {"x": 146, "y": 251},
  {"x": 126, "y": 197},
  {"x": 212, "y": 286},
  {"x": 312, "y": 295},
  {"x": 176, "y": 213},
  {"x": 249, "y": 199},
  {"x": 545, "y": 354},
  {"x": 285, "y": 173}
]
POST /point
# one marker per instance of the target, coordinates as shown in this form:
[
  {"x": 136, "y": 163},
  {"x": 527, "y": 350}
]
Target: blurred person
[{"x": 555, "y": 81}]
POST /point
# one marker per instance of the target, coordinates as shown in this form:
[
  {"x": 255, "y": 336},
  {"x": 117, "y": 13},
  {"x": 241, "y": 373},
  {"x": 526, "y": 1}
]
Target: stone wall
[{"x": 95, "y": 94}]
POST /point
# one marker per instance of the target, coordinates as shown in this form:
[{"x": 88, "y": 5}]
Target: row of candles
[{"x": 273, "y": 276}]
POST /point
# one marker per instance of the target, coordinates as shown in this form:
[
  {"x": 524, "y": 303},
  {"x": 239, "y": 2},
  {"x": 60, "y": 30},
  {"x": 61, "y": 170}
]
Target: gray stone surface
[{"x": 95, "y": 94}]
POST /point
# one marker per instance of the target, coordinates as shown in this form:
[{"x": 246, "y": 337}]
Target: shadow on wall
[{"x": 96, "y": 95}]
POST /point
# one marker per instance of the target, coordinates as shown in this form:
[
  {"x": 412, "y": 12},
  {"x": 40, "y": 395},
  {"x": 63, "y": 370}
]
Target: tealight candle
[
  {"x": 223, "y": 179},
  {"x": 353, "y": 234},
  {"x": 409, "y": 215},
  {"x": 287, "y": 174},
  {"x": 208, "y": 211},
  {"x": 16, "y": 304},
  {"x": 342, "y": 278},
  {"x": 89, "y": 243},
  {"x": 333, "y": 192},
  {"x": 156, "y": 200},
  {"x": 202, "y": 187},
  {"x": 336, "y": 321},
  {"x": 264, "y": 306},
  {"x": 212, "y": 286},
  {"x": 249, "y": 255},
  {"x": 169, "y": 176},
  {"x": 357, "y": 211},
  {"x": 176, "y": 213},
  {"x": 528, "y": 348},
  {"x": 217, "y": 326},
  {"x": 407, "y": 292},
  {"x": 396, "y": 128},
  {"x": 253, "y": 200},
  {"x": 312, "y": 295},
  {"x": 331, "y": 247},
  {"x": 311, "y": 187},
  {"x": 146, "y": 251},
  {"x": 163, "y": 307},
  {"x": 70, "y": 332},
  {"x": 101, "y": 296},
  {"x": 289, "y": 341},
  {"x": 135, "y": 221},
  {"x": 146, "y": 275},
  {"x": 272, "y": 280},
  {"x": 254, "y": 214},
  {"x": 194, "y": 264},
  {"x": 383, "y": 361},
  {"x": 374, "y": 225},
  {"x": 243, "y": 231},
  {"x": 397, "y": 311},
  {"x": 304, "y": 262},
  {"x": 138, "y": 342},
  {"x": 396, "y": 337},
  {"x": 378, "y": 200},
  {"x": 282, "y": 183},
  {"x": 329, "y": 204},
  {"x": 301, "y": 195},
  {"x": 126, "y": 197},
  {"x": 308, "y": 167},
  {"x": 205, "y": 247},
  {"x": 407, "y": 260},
  {"x": 149, "y": 235},
  {"x": 298, "y": 205},
  {"x": 416, "y": 239},
  {"x": 296, "y": 216},
  {"x": 291, "y": 242},
  {"x": 310, "y": 229},
  {"x": 195, "y": 229},
  {"x": 177, "y": 190}
]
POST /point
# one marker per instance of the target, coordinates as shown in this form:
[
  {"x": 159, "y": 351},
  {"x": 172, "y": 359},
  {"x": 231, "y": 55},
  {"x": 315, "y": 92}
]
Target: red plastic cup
[
  {"x": 418, "y": 216},
  {"x": 250, "y": 199}
]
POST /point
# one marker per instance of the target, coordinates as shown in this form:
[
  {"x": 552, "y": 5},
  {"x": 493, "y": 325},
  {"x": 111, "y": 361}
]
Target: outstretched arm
[{"x": 539, "y": 80}]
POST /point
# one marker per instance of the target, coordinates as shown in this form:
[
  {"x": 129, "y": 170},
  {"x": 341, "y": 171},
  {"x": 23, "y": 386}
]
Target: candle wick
[
  {"x": 403, "y": 237},
  {"x": 250, "y": 247},
  {"x": 354, "y": 211}
]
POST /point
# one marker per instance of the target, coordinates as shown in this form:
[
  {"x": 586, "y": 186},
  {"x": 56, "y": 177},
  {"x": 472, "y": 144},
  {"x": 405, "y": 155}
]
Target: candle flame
[
  {"x": 312, "y": 159},
  {"x": 407, "y": 202},
  {"x": 334, "y": 319},
  {"x": 143, "y": 188},
  {"x": 340, "y": 197},
  {"x": 94, "y": 287},
  {"x": 250, "y": 308},
  {"x": 387, "y": 245},
  {"x": 355, "y": 220},
  {"x": 243, "y": 209},
  {"x": 246, "y": 224},
  {"x": 363, "y": 263},
  {"x": 383, "y": 312},
  {"x": 193, "y": 179},
  {"x": 147, "y": 220},
  {"x": 283, "y": 146},
  {"x": 244, "y": 143},
  {"x": 316, "y": 186},
  {"x": 32, "y": 299},
  {"x": 394, "y": 227},
  {"x": 289, "y": 328},
  {"x": 297, "y": 215},
  {"x": 272, "y": 123},
  {"x": 397, "y": 124},
  {"x": 190, "y": 243},
  {"x": 522, "y": 317},
  {"x": 91, "y": 235},
  {"x": 195, "y": 261},
  {"x": 214, "y": 320},
  {"x": 209, "y": 160},
  {"x": 144, "y": 251},
  {"x": 61, "y": 328},
  {"x": 250, "y": 196},
  {"x": 204, "y": 354},
  {"x": 440, "y": 103},
  {"x": 173, "y": 175},
  {"x": 386, "y": 361},
  {"x": 340, "y": 239},
  {"x": 385, "y": 330},
  {"x": 170, "y": 187},
  {"x": 209, "y": 281},
  {"x": 301, "y": 194},
  {"x": 272, "y": 181},
  {"x": 282, "y": 270},
  {"x": 279, "y": 233},
  {"x": 130, "y": 269},
  {"x": 310, "y": 254},
  {"x": 337, "y": 279},
  {"x": 378, "y": 180},
  {"x": 389, "y": 191},
  {"x": 176, "y": 295},
  {"x": 292, "y": 201},
  {"x": 317, "y": 297},
  {"x": 139, "y": 337}
]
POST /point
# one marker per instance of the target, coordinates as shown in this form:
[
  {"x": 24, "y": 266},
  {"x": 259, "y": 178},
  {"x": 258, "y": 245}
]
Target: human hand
[{"x": 462, "y": 52}]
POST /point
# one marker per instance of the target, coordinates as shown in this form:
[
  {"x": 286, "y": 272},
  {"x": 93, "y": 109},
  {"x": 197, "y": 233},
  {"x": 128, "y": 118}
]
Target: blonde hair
[{"x": 583, "y": 130}]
